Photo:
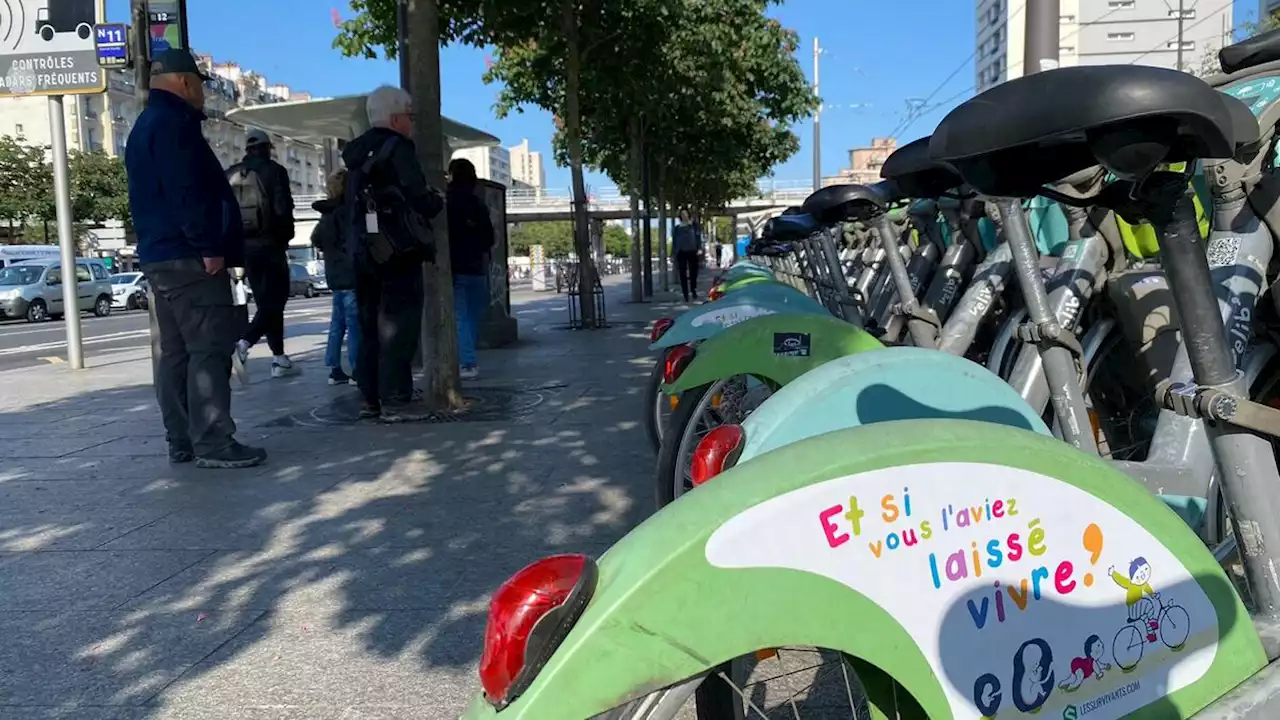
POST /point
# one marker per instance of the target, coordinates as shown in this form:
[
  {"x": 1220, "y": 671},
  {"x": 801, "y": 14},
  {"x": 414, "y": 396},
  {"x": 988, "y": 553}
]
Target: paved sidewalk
[{"x": 347, "y": 578}]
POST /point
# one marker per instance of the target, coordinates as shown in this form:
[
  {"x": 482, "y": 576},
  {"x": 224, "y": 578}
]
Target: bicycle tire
[
  {"x": 651, "y": 410},
  {"x": 669, "y": 452}
]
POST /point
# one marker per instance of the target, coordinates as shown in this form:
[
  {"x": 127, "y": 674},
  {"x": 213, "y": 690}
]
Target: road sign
[
  {"x": 47, "y": 47},
  {"x": 112, "y": 41}
]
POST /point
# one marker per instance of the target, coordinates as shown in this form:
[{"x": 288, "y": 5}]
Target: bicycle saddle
[
  {"x": 836, "y": 203},
  {"x": 915, "y": 174},
  {"x": 1250, "y": 52},
  {"x": 790, "y": 227},
  {"x": 1040, "y": 128}
]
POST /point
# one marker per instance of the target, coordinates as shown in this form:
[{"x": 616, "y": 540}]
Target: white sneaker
[
  {"x": 282, "y": 366},
  {"x": 469, "y": 373},
  {"x": 239, "y": 356}
]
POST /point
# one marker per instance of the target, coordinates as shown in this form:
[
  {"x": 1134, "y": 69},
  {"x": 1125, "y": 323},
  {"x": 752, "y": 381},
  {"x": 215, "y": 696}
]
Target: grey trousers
[{"x": 198, "y": 327}]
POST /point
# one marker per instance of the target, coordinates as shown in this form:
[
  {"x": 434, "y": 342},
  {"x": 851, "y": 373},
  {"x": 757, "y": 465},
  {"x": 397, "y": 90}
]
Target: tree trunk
[
  {"x": 573, "y": 132},
  {"x": 647, "y": 189},
  {"x": 439, "y": 326},
  {"x": 664, "y": 277},
  {"x": 637, "y": 163}
]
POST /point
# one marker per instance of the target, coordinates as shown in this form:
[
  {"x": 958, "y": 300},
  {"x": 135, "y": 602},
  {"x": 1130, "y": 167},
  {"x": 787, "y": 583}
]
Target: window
[
  {"x": 1066, "y": 18},
  {"x": 1120, "y": 37},
  {"x": 1186, "y": 45},
  {"x": 82, "y": 273},
  {"x": 1188, "y": 14},
  {"x": 1120, "y": 4},
  {"x": 17, "y": 130},
  {"x": 54, "y": 277},
  {"x": 99, "y": 272},
  {"x": 1066, "y": 48}
]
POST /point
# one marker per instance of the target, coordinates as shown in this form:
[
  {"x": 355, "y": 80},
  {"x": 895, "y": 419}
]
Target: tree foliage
[
  {"x": 1208, "y": 63},
  {"x": 99, "y": 188},
  {"x": 556, "y": 239}
]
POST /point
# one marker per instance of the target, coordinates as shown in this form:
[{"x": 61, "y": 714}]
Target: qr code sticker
[{"x": 1223, "y": 251}]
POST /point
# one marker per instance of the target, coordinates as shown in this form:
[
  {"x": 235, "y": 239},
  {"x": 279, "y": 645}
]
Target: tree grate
[{"x": 491, "y": 404}]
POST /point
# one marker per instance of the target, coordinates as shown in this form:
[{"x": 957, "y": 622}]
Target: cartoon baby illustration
[
  {"x": 1137, "y": 587},
  {"x": 1032, "y": 675},
  {"x": 1091, "y": 664}
]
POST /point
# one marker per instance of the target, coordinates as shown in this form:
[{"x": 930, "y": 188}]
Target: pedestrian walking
[
  {"x": 389, "y": 206},
  {"x": 470, "y": 240},
  {"x": 339, "y": 274},
  {"x": 184, "y": 215},
  {"x": 261, "y": 188},
  {"x": 686, "y": 243}
]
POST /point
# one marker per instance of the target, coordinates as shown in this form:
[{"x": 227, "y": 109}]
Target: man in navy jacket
[{"x": 189, "y": 232}]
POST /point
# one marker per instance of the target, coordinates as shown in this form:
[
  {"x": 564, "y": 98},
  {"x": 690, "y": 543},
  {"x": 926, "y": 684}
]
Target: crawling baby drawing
[
  {"x": 1137, "y": 587},
  {"x": 1091, "y": 664}
]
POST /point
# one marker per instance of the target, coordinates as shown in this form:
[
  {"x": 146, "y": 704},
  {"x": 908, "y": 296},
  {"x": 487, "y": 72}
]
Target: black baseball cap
[{"x": 171, "y": 61}]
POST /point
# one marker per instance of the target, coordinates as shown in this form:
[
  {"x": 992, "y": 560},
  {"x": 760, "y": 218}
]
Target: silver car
[{"x": 32, "y": 289}]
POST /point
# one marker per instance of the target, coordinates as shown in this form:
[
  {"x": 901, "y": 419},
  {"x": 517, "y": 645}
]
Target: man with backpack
[
  {"x": 261, "y": 186},
  {"x": 387, "y": 206}
]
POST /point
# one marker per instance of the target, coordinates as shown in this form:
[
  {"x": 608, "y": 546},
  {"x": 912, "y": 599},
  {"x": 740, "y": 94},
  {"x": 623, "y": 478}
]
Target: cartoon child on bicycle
[
  {"x": 1137, "y": 586},
  {"x": 1089, "y": 665}
]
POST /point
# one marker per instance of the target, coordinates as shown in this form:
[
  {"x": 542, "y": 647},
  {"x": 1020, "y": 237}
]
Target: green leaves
[{"x": 99, "y": 187}]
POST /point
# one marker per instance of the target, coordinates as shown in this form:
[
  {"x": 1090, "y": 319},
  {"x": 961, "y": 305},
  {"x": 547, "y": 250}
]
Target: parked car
[
  {"x": 302, "y": 282},
  {"x": 32, "y": 289},
  {"x": 129, "y": 291}
]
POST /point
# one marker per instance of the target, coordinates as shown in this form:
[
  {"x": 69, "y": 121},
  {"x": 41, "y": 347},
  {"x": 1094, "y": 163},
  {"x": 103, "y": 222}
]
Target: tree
[
  {"x": 1208, "y": 64},
  {"x": 26, "y": 183},
  {"x": 617, "y": 242},
  {"x": 556, "y": 238},
  {"x": 99, "y": 187}
]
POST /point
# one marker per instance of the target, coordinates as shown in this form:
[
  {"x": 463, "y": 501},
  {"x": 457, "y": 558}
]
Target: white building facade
[
  {"x": 492, "y": 163},
  {"x": 1102, "y": 32},
  {"x": 526, "y": 164}
]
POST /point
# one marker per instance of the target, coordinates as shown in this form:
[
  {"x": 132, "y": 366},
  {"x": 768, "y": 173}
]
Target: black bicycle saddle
[
  {"x": 1250, "y": 52},
  {"x": 837, "y": 203},
  {"x": 1037, "y": 129},
  {"x": 785, "y": 228},
  {"x": 915, "y": 174}
]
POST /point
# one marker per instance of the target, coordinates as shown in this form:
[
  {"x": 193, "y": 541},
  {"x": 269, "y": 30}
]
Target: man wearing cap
[
  {"x": 188, "y": 228},
  {"x": 261, "y": 187}
]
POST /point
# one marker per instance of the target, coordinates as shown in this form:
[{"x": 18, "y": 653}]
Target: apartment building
[
  {"x": 492, "y": 163},
  {"x": 102, "y": 122},
  {"x": 526, "y": 164},
  {"x": 865, "y": 162},
  {"x": 1102, "y": 32}
]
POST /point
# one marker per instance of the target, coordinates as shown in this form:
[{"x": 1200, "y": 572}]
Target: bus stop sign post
[{"x": 53, "y": 53}]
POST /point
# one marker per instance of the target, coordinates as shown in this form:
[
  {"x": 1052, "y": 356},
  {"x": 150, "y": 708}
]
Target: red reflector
[
  {"x": 660, "y": 328},
  {"x": 678, "y": 358},
  {"x": 716, "y": 451},
  {"x": 716, "y": 292},
  {"x": 528, "y": 617}
]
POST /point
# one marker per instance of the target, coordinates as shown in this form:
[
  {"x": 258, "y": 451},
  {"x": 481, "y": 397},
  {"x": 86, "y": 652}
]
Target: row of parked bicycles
[{"x": 990, "y": 438}]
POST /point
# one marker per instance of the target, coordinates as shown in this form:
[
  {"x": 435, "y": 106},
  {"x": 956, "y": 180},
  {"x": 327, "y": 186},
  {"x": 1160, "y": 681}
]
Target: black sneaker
[
  {"x": 181, "y": 453},
  {"x": 232, "y": 456},
  {"x": 370, "y": 411},
  {"x": 410, "y": 411},
  {"x": 337, "y": 377}
]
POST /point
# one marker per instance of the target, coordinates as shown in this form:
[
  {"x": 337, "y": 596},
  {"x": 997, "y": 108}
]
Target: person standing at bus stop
[
  {"x": 261, "y": 187},
  {"x": 184, "y": 215},
  {"x": 686, "y": 243},
  {"x": 470, "y": 240}
]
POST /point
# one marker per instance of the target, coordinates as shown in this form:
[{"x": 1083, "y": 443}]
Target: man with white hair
[{"x": 389, "y": 205}]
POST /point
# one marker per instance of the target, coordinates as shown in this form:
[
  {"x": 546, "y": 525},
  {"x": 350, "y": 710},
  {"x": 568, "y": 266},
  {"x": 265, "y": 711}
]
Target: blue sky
[{"x": 877, "y": 55}]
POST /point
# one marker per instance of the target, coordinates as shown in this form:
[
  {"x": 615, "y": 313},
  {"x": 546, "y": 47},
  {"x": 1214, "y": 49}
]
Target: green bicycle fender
[
  {"x": 748, "y": 348},
  {"x": 662, "y": 612},
  {"x": 746, "y": 281}
]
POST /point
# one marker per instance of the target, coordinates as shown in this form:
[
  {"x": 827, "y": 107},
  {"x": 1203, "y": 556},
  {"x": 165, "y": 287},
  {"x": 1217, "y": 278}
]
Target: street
[{"x": 24, "y": 344}]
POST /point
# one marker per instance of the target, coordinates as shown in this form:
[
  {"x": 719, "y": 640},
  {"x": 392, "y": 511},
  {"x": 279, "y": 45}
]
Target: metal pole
[
  {"x": 648, "y": 224},
  {"x": 1180, "y": 28},
  {"x": 1041, "y": 52},
  {"x": 402, "y": 41},
  {"x": 66, "y": 240},
  {"x": 817, "y": 123}
]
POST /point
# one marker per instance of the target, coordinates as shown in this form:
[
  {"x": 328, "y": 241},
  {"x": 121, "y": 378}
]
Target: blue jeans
[
  {"x": 343, "y": 319},
  {"x": 470, "y": 301}
]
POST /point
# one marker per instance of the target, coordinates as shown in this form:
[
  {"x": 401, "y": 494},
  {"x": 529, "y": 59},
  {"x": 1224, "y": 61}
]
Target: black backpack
[
  {"x": 380, "y": 224},
  {"x": 251, "y": 195}
]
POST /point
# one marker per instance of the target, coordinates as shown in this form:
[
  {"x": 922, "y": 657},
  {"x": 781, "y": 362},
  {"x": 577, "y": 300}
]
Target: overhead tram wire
[
  {"x": 926, "y": 109},
  {"x": 1165, "y": 44}
]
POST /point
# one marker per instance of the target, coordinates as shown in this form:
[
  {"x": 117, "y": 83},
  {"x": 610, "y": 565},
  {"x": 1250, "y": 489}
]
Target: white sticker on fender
[
  {"x": 1024, "y": 593},
  {"x": 730, "y": 316}
]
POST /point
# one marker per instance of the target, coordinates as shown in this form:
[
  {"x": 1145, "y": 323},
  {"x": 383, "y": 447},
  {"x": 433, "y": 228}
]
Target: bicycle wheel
[
  {"x": 698, "y": 412},
  {"x": 657, "y": 406},
  {"x": 1127, "y": 647},
  {"x": 1175, "y": 626},
  {"x": 800, "y": 683},
  {"x": 1122, "y": 414}
]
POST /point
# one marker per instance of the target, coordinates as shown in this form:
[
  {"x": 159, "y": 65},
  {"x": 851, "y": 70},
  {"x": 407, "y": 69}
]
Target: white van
[{"x": 10, "y": 254}]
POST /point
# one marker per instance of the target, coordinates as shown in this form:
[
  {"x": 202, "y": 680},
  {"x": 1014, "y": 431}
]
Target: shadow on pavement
[{"x": 352, "y": 570}]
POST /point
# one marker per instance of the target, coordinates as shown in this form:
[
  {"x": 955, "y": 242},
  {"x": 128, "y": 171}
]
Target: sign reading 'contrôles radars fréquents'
[
  {"x": 1027, "y": 596},
  {"x": 47, "y": 47}
]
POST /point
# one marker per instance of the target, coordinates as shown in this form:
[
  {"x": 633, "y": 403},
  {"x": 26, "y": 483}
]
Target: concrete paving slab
[
  {"x": 72, "y": 528},
  {"x": 84, "y": 580}
]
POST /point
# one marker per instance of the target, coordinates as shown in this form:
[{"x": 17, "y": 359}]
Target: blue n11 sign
[{"x": 112, "y": 44}]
